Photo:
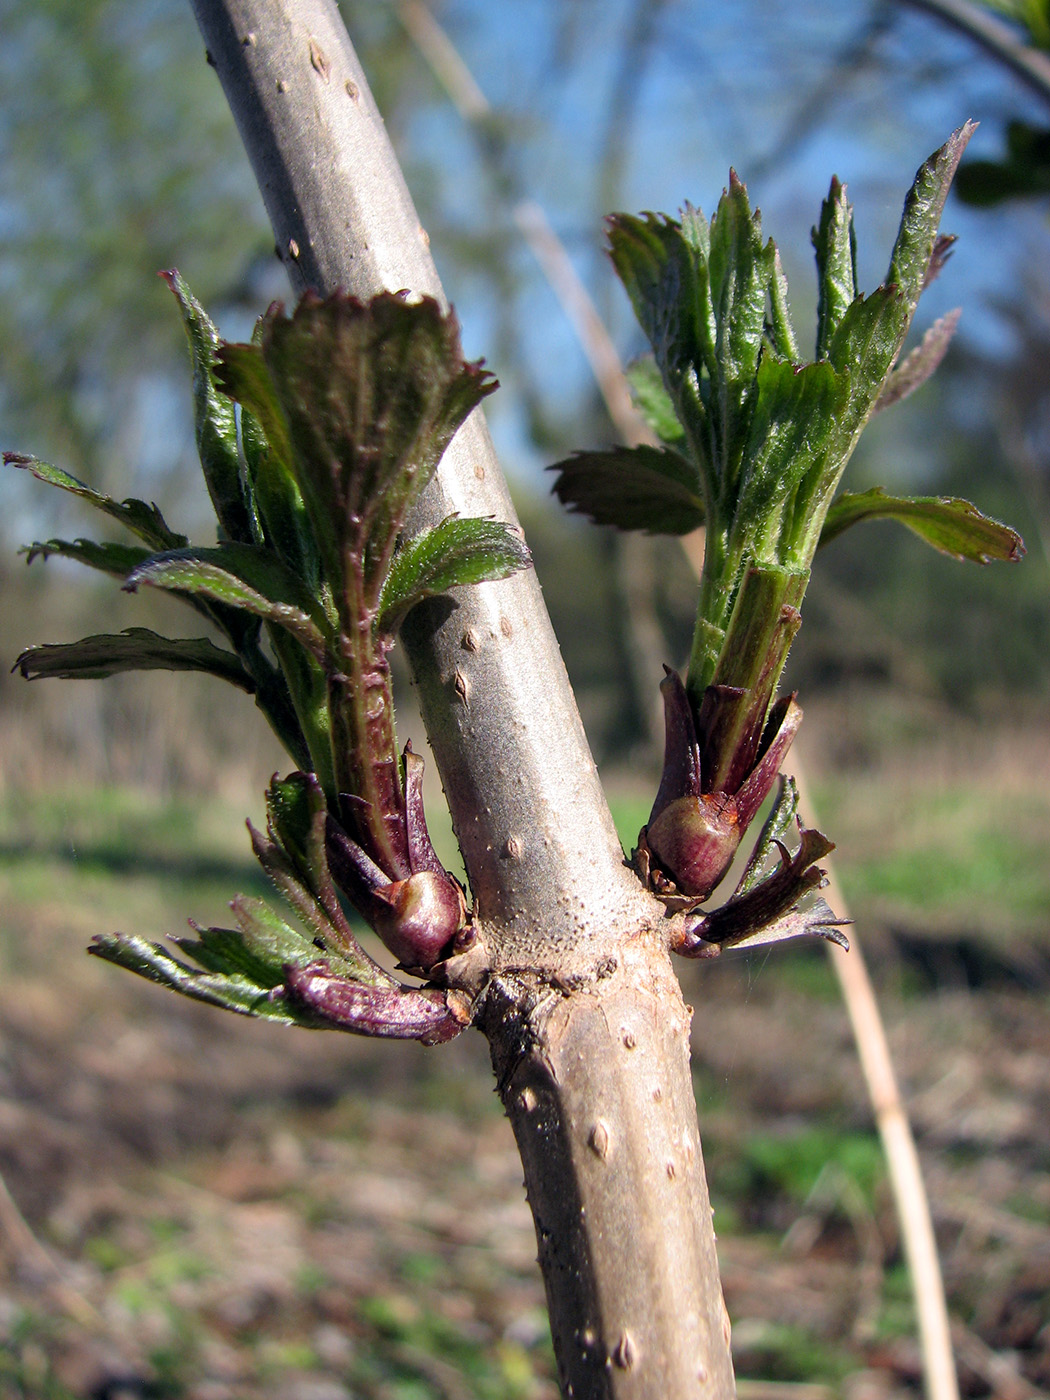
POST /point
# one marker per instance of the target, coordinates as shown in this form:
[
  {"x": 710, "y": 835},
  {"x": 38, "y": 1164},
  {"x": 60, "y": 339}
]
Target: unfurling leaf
[
  {"x": 135, "y": 649},
  {"x": 654, "y": 489},
  {"x": 455, "y": 553},
  {"x": 950, "y": 524},
  {"x": 215, "y": 420}
]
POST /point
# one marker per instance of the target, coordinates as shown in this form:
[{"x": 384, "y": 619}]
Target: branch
[{"x": 501, "y": 717}]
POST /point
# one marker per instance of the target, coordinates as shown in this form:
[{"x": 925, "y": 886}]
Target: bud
[{"x": 417, "y": 918}]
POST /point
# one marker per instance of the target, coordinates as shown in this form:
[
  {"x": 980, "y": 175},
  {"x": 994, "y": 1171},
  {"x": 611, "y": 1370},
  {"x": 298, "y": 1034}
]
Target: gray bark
[{"x": 585, "y": 1019}]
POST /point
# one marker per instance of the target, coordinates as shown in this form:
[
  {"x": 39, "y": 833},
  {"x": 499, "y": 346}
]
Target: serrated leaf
[
  {"x": 950, "y": 524},
  {"x": 215, "y": 421},
  {"x": 135, "y": 649},
  {"x": 923, "y": 207},
  {"x": 917, "y": 367},
  {"x": 633, "y": 488},
  {"x": 115, "y": 559},
  {"x": 144, "y": 521},
  {"x": 240, "y": 577},
  {"x": 257, "y": 949},
  {"x": 455, "y": 553},
  {"x": 653, "y": 401},
  {"x": 371, "y": 395},
  {"x": 835, "y": 244}
]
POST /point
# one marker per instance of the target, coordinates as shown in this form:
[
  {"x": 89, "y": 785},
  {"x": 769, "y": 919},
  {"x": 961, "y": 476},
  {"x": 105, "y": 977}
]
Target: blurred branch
[{"x": 996, "y": 38}]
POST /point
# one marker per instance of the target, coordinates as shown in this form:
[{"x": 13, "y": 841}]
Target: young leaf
[
  {"x": 950, "y": 524},
  {"x": 653, "y": 401},
  {"x": 142, "y": 520},
  {"x": 654, "y": 489},
  {"x": 836, "y": 247},
  {"x": 214, "y": 419},
  {"x": 456, "y": 552},
  {"x": 240, "y": 577},
  {"x": 135, "y": 649}
]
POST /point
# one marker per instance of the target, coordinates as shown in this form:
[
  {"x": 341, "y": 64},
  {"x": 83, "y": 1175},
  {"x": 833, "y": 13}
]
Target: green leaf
[
  {"x": 257, "y": 949},
  {"x": 793, "y": 439},
  {"x": 865, "y": 346},
  {"x": 232, "y": 992},
  {"x": 835, "y": 244},
  {"x": 241, "y": 372},
  {"x": 779, "y": 825},
  {"x": 371, "y": 395},
  {"x": 779, "y": 329},
  {"x": 142, "y": 520},
  {"x": 240, "y": 577},
  {"x": 950, "y": 524},
  {"x": 135, "y": 649},
  {"x": 917, "y": 237},
  {"x": 214, "y": 419},
  {"x": 455, "y": 553},
  {"x": 653, "y": 401},
  {"x": 116, "y": 559},
  {"x": 740, "y": 270},
  {"x": 634, "y": 488}
]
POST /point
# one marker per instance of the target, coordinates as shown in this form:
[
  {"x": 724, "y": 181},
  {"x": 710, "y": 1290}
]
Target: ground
[{"x": 204, "y": 1207}]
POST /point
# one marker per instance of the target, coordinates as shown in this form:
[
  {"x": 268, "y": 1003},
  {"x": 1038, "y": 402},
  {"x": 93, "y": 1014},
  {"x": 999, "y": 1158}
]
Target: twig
[
  {"x": 1002, "y": 1375},
  {"x": 28, "y": 1248},
  {"x": 898, "y": 1143}
]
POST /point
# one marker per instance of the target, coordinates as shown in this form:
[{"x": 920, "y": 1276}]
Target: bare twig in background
[
  {"x": 28, "y": 1251},
  {"x": 1030, "y": 64}
]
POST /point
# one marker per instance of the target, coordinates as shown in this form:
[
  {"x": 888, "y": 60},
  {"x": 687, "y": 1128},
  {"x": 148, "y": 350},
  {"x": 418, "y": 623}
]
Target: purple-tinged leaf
[
  {"x": 240, "y": 577},
  {"x": 135, "y": 649},
  {"x": 681, "y": 776},
  {"x": 372, "y": 395},
  {"x": 950, "y": 524},
  {"x": 458, "y": 552},
  {"x": 144, "y": 521},
  {"x": 400, "y": 1013},
  {"x": 916, "y": 368},
  {"x": 770, "y": 902},
  {"x": 785, "y": 716},
  {"x": 654, "y": 489}
]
